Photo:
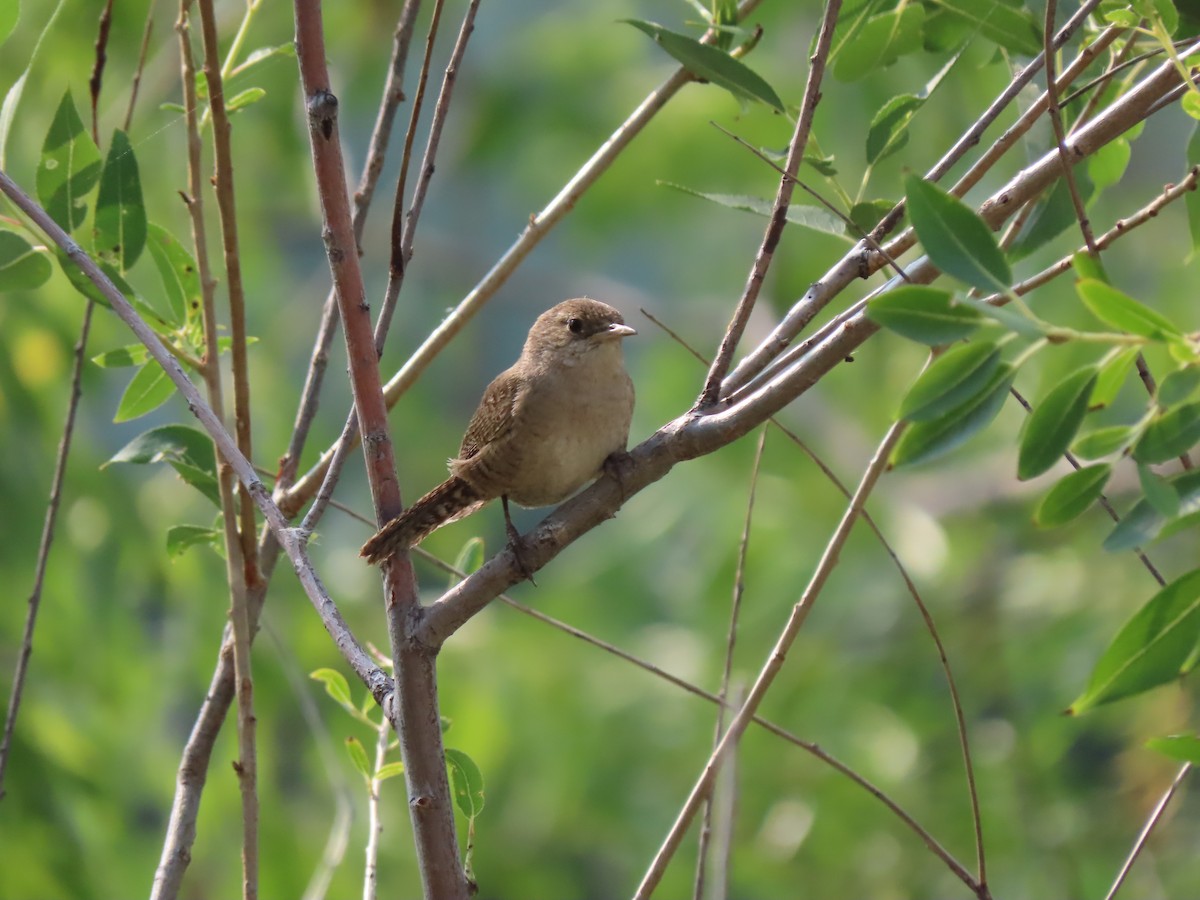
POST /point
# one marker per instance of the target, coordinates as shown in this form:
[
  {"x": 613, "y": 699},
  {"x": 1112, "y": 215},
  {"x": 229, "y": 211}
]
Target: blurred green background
[{"x": 586, "y": 758}]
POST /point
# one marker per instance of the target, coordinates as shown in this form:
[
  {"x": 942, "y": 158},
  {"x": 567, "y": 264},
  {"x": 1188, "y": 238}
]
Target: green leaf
[
  {"x": 1158, "y": 492},
  {"x": 180, "y": 276},
  {"x": 1183, "y": 747},
  {"x": 120, "y": 211},
  {"x": 245, "y": 98},
  {"x": 181, "y": 538},
  {"x": 69, "y": 167},
  {"x": 1104, "y": 441},
  {"x": 956, "y": 239},
  {"x": 813, "y": 217},
  {"x": 889, "y": 128},
  {"x": 1072, "y": 496},
  {"x": 466, "y": 782},
  {"x": 1016, "y": 30},
  {"x": 389, "y": 770},
  {"x": 22, "y": 266},
  {"x": 924, "y": 441},
  {"x": 1053, "y": 423},
  {"x": 358, "y": 756},
  {"x": 1178, "y": 386},
  {"x": 1144, "y": 523},
  {"x": 1052, "y": 215},
  {"x": 149, "y": 389},
  {"x": 204, "y": 482},
  {"x": 1113, "y": 375},
  {"x": 710, "y": 64},
  {"x": 129, "y": 355},
  {"x": 262, "y": 54},
  {"x": 879, "y": 42},
  {"x": 1107, "y": 165},
  {"x": 924, "y": 314},
  {"x": 469, "y": 558},
  {"x": 867, "y": 214},
  {"x": 336, "y": 685},
  {"x": 1150, "y": 649},
  {"x": 1170, "y": 434},
  {"x": 169, "y": 443},
  {"x": 950, "y": 380},
  {"x": 1120, "y": 311},
  {"x": 1088, "y": 266}
]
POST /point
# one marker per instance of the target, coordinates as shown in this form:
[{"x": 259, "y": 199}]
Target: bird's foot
[{"x": 516, "y": 543}]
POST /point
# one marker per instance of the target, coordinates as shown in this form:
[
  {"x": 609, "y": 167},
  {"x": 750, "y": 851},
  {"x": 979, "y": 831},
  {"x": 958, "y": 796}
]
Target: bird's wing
[{"x": 494, "y": 417}]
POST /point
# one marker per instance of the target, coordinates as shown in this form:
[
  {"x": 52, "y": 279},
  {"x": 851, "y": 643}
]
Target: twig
[
  {"x": 1147, "y": 829},
  {"x": 136, "y": 83},
  {"x": 103, "y": 29},
  {"x": 374, "y": 820},
  {"x": 783, "y": 198},
  {"x": 739, "y": 588},
  {"x": 245, "y": 557},
  {"x": 772, "y": 666},
  {"x": 43, "y": 557}
]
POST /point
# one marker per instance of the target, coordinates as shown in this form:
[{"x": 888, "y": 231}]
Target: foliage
[{"x": 586, "y": 757}]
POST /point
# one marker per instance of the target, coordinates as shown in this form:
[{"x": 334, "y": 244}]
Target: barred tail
[{"x": 450, "y": 501}]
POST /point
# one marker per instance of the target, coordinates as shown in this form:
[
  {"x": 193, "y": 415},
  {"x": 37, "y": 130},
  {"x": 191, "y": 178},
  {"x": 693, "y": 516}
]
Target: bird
[{"x": 545, "y": 427}]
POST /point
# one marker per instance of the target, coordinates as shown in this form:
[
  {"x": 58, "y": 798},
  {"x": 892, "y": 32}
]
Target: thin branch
[
  {"x": 136, "y": 82},
  {"x": 103, "y": 29},
  {"x": 374, "y": 819},
  {"x": 739, "y": 588},
  {"x": 772, "y": 666},
  {"x": 43, "y": 557},
  {"x": 778, "y": 219},
  {"x": 1147, "y": 829}
]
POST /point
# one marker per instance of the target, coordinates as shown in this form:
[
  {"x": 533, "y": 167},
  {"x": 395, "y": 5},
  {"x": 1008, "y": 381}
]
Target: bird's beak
[{"x": 619, "y": 331}]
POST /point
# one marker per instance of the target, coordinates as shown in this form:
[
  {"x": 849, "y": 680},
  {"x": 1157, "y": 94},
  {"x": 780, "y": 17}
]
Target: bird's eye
[{"x": 575, "y": 325}]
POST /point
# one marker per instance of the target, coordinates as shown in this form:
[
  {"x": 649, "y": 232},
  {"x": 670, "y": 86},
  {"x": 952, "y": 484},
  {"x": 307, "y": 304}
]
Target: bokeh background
[{"x": 586, "y": 758}]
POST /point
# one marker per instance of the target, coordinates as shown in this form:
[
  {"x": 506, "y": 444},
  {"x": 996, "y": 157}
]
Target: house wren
[{"x": 544, "y": 428}]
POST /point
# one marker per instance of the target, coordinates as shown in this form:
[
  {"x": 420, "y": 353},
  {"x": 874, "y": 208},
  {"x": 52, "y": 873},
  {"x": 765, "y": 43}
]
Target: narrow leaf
[
  {"x": 711, "y": 64},
  {"x": 1183, "y": 747},
  {"x": 149, "y": 389},
  {"x": 950, "y": 380},
  {"x": 120, "y": 211},
  {"x": 336, "y": 685},
  {"x": 358, "y": 756},
  {"x": 880, "y": 41},
  {"x": 924, "y": 314},
  {"x": 814, "y": 217},
  {"x": 1150, "y": 649},
  {"x": 1014, "y": 29},
  {"x": 1104, "y": 441},
  {"x": 389, "y": 770},
  {"x": 1178, "y": 386},
  {"x": 69, "y": 167},
  {"x": 956, "y": 239},
  {"x": 1159, "y": 493},
  {"x": 889, "y": 127},
  {"x": 1171, "y": 434},
  {"x": 129, "y": 355},
  {"x": 1054, "y": 421},
  {"x": 1144, "y": 523},
  {"x": 1113, "y": 375},
  {"x": 928, "y": 440},
  {"x": 1072, "y": 496},
  {"x": 1120, "y": 311},
  {"x": 179, "y": 273}
]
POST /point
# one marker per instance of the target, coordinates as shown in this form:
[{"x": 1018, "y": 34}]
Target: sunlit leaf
[
  {"x": 358, "y": 756},
  {"x": 336, "y": 685},
  {"x": 1113, "y": 375},
  {"x": 149, "y": 389},
  {"x": 69, "y": 167},
  {"x": 466, "y": 782},
  {"x": 129, "y": 355},
  {"x": 1104, "y": 441},
  {"x": 1183, "y": 747},
  {"x": 1120, "y": 311},
  {"x": 815, "y": 217},
  {"x": 889, "y": 127},
  {"x": 181, "y": 538}
]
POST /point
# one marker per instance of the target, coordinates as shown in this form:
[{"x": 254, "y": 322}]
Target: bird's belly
[{"x": 560, "y": 460}]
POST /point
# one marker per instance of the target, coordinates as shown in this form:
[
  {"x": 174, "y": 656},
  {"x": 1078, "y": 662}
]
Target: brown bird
[{"x": 544, "y": 428}]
